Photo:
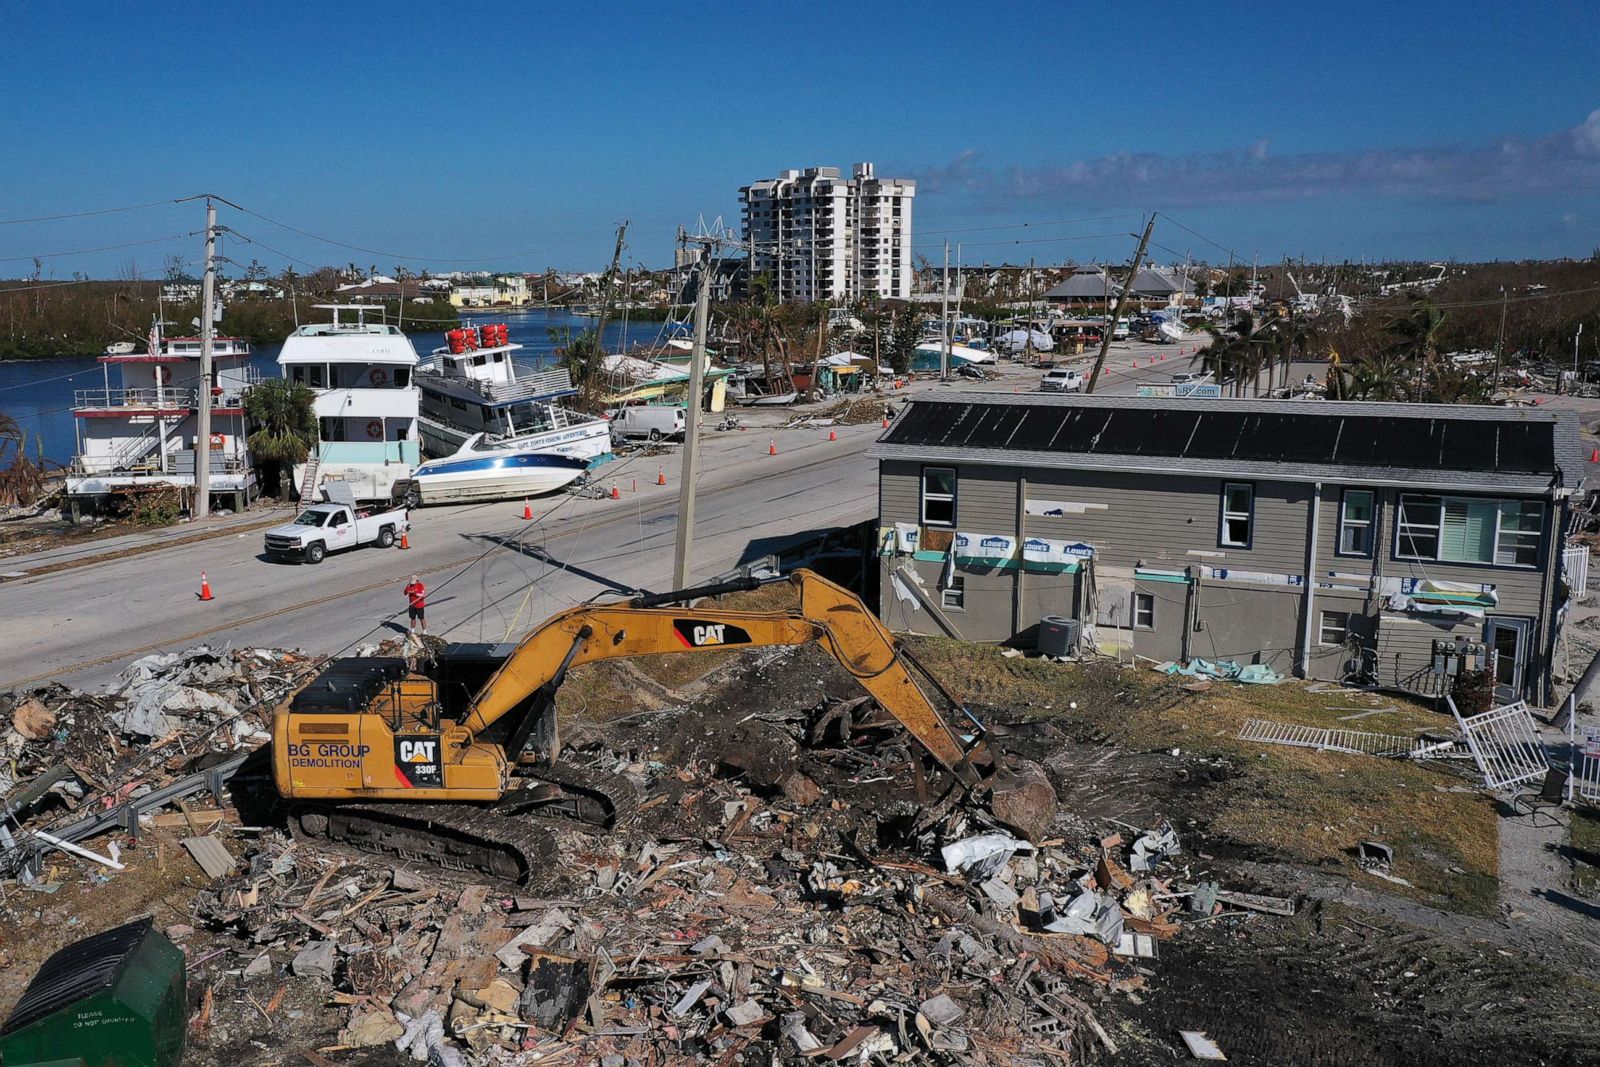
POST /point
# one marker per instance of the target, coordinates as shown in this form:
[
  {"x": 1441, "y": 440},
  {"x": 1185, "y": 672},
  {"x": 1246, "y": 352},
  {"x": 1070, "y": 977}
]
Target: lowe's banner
[
  {"x": 1044, "y": 556},
  {"x": 983, "y": 549}
]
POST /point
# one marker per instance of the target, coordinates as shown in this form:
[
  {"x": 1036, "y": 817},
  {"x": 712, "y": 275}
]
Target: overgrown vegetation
[
  {"x": 23, "y": 479},
  {"x": 41, "y": 320}
]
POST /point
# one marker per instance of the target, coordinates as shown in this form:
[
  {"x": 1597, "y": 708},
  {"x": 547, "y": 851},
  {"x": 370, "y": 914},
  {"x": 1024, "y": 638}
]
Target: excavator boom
[
  {"x": 369, "y": 756},
  {"x": 829, "y": 615}
]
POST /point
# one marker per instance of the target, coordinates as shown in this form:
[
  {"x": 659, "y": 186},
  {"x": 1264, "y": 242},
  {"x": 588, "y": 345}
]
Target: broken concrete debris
[{"x": 826, "y": 910}]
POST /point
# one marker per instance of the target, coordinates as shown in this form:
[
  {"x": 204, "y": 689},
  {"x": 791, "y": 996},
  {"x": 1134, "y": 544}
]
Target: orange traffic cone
[
  {"x": 832, "y": 436},
  {"x": 205, "y": 587},
  {"x": 1594, "y": 457},
  {"x": 1135, "y": 363},
  {"x": 886, "y": 422},
  {"x": 772, "y": 449},
  {"x": 405, "y": 542},
  {"x": 661, "y": 476},
  {"x": 615, "y": 495},
  {"x": 527, "y": 509}
]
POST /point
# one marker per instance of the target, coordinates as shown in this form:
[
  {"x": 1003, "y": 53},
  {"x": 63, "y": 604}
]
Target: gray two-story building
[{"x": 1324, "y": 539}]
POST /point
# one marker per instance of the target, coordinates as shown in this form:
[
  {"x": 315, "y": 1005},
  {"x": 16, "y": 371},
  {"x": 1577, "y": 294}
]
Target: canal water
[{"x": 39, "y": 394}]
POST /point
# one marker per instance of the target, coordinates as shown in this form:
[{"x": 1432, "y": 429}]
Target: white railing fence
[{"x": 1575, "y": 569}]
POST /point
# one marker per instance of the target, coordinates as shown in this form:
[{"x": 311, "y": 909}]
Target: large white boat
[
  {"x": 472, "y": 387},
  {"x": 139, "y": 432},
  {"x": 367, "y": 400},
  {"x": 485, "y": 470}
]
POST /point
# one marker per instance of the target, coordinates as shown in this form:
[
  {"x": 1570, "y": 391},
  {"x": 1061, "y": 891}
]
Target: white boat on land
[
  {"x": 1016, "y": 342},
  {"x": 120, "y": 348},
  {"x": 472, "y": 385},
  {"x": 487, "y": 470},
  {"x": 932, "y": 351}
]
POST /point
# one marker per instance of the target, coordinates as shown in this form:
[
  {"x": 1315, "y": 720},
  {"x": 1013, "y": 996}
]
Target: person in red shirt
[{"x": 417, "y": 599}]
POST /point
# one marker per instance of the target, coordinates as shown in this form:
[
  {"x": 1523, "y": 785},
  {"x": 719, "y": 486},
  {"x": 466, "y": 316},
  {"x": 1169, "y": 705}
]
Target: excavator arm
[{"x": 828, "y": 615}]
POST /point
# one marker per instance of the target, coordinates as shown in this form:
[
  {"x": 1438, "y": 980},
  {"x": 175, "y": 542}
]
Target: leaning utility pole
[
  {"x": 691, "y": 432},
  {"x": 1122, "y": 302},
  {"x": 202, "y": 444}
]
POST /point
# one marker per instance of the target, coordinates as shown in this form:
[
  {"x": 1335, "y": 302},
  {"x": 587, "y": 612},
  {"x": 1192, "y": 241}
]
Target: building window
[
  {"x": 1334, "y": 628},
  {"x": 1144, "y": 611},
  {"x": 954, "y": 596},
  {"x": 1355, "y": 523},
  {"x": 1238, "y": 508},
  {"x": 939, "y": 496},
  {"x": 1469, "y": 530}
]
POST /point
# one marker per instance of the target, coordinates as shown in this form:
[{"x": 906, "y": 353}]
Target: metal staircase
[{"x": 308, "y": 485}]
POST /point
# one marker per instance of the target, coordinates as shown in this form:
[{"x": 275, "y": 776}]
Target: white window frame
[
  {"x": 923, "y": 496},
  {"x": 953, "y": 597},
  {"x": 1503, "y": 537},
  {"x": 1344, "y": 628},
  {"x": 1149, "y": 602},
  {"x": 1367, "y": 525},
  {"x": 1248, "y": 515}
]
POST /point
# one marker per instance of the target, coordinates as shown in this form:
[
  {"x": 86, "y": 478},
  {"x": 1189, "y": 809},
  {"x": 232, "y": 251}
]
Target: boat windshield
[{"x": 310, "y": 518}]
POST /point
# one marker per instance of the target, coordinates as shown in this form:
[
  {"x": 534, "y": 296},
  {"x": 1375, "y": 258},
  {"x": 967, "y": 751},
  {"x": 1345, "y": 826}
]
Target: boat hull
[
  {"x": 589, "y": 440},
  {"x": 501, "y": 475}
]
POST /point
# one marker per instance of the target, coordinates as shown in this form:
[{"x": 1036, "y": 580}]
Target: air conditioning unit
[{"x": 1058, "y": 636}]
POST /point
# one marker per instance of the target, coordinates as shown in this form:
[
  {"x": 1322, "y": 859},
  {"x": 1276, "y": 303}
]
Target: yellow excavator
[{"x": 367, "y": 754}]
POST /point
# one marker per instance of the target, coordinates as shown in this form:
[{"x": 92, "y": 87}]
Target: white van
[{"x": 654, "y": 421}]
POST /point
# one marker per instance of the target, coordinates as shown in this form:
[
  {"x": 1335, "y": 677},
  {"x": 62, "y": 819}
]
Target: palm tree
[
  {"x": 1416, "y": 335},
  {"x": 1230, "y": 352},
  {"x": 285, "y": 426},
  {"x": 1380, "y": 376}
]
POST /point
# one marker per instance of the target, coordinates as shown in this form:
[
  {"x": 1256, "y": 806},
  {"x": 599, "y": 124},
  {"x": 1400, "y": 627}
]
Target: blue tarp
[{"x": 1227, "y": 670}]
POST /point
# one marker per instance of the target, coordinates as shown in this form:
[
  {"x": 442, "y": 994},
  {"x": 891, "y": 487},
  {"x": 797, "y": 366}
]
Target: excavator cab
[{"x": 366, "y": 727}]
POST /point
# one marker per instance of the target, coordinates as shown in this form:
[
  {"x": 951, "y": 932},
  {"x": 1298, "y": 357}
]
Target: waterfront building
[
  {"x": 820, "y": 236},
  {"x": 137, "y": 432},
  {"x": 367, "y": 400}
]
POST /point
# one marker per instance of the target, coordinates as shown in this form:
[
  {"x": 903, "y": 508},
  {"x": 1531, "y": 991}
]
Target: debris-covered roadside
[
  {"x": 791, "y": 888},
  {"x": 783, "y": 892}
]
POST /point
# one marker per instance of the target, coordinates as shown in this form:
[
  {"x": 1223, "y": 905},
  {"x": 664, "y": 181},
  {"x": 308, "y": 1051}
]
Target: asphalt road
[{"x": 491, "y": 574}]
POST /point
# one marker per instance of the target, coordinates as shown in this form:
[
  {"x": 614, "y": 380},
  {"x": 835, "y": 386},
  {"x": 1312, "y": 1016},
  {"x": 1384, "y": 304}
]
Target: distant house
[
  {"x": 251, "y": 290},
  {"x": 180, "y": 292},
  {"x": 1319, "y": 538},
  {"x": 502, "y": 290},
  {"x": 1153, "y": 286},
  {"x": 387, "y": 291},
  {"x": 1087, "y": 286}
]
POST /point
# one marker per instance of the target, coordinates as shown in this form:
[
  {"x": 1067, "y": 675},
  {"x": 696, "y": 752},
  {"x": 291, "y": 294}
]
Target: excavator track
[{"x": 509, "y": 841}]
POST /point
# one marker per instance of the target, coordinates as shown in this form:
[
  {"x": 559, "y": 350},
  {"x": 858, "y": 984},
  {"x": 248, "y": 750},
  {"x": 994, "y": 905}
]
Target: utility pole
[
  {"x": 691, "y": 433},
  {"x": 202, "y": 445},
  {"x": 944, "y": 318},
  {"x": 1499, "y": 345},
  {"x": 1122, "y": 302}
]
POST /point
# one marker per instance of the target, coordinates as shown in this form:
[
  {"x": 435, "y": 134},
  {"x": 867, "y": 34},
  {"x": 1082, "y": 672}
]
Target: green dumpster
[{"x": 116, "y": 999}]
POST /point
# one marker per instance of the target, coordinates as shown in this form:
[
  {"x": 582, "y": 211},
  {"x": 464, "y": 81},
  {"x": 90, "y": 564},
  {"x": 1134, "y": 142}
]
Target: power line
[
  {"x": 1200, "y": 235},
  {"x": 395, "y": 255},
  {"x": 86, "y": 214},
  {"x": 102, "y": 248},
  {"x": 1028, "y": 225},
  {"x": 1033, "y": 240}
]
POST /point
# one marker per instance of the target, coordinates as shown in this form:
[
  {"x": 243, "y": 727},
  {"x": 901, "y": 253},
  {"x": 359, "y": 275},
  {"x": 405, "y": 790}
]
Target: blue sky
[{"x": 442, "y": 132}]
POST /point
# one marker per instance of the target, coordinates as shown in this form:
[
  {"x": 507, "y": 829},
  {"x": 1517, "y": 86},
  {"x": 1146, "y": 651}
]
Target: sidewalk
[{"x": 80, "y": 552}]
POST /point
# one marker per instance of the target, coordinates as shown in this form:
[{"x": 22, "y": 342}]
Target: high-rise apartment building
[{"x": 820, "y": 236}]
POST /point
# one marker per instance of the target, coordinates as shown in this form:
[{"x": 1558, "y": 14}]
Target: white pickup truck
[{"x": 324, "y": 528}]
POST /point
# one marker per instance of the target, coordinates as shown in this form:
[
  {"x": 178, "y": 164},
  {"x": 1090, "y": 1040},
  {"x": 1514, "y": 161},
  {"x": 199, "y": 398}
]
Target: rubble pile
[
  {"x": 179, "y": 704},
  {"x": 790, "y": 887}
]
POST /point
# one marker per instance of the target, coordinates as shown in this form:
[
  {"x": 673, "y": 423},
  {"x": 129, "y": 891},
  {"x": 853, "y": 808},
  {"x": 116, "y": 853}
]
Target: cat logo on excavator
[{"x": 699, "y": 633}]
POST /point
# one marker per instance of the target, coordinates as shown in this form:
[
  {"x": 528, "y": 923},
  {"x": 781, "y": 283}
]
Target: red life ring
[
  {"x": 375, "y": 430},
  {"x": 378, "y": 376}
]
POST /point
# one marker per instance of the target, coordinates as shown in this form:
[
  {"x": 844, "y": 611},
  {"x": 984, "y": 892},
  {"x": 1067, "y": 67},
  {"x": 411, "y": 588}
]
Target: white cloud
[{"x": 1508, "y": 169}]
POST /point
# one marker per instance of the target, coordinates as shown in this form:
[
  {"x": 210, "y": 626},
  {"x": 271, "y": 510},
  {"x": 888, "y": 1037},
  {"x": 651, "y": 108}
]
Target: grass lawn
[{"x": 1294, "y": 804}]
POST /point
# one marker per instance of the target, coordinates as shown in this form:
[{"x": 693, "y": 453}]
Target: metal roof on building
[{"x": 1427, "y": 445}]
